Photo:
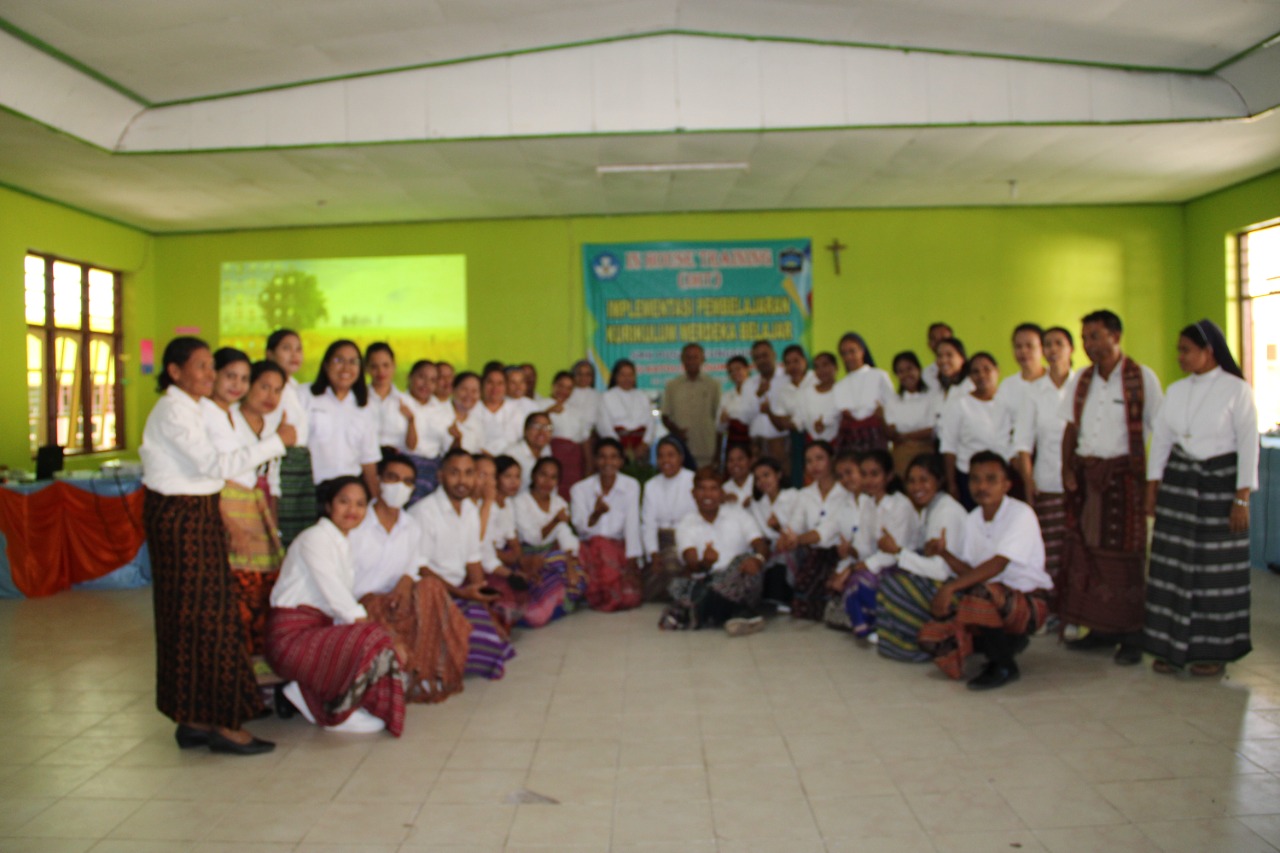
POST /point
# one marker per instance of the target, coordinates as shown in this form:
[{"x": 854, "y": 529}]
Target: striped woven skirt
[
  {"x": 255, "y": 554},
  {"x": 902, "y": 608},
  {"x": 202, "y": 669},
  {"x": 545, "y": 600},
  {"x": 296, "y": 508},
  {"x": 489, "y": 648},
  {"x": 1051, "y": 509},
  {"x": 430, "y": 635},
  {"x": 1198, "y": 587},
  {"x": 426, "y": 477},
  {"x": 690, "y": 596},
  {"x": 339, "y": 668},
  {"x": 812, "y": 571},
  {"x": 664, "y": 565},
  {"x": 611, "y": 584},
  {"x": 985, "y": 607}
]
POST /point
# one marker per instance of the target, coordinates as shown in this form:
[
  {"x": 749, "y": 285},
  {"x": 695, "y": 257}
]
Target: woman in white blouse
[
  {"x": 386, "y": 401},
  {"x": 550, "y": 549},
  {"x": 819, "y": 414},
  {"x": 773, "y": 507},
  {"x": 499, "y": 417},
  {"x": 1201, "y": 469},
  {"x": 421, "y": 403},
  {"x": 861, "y": 397},
  {"x": 455, "y": 425},
  {"x": 823, "y": 497},
  {"x": 974, "y": 422},
  {"x": 341, "y": 669},
  {"x": 738, "y": 483},
  {"x": 1037, "y": 439},
  {"x": 585, "y": 399},
  {"x": 296, "y": 498},
  {"x": 906, "y": 590},
  {"x": 254, "y": 551},
  {"x": 204, "y": 681},
  {"x": 626, "y": 413},
  {"x": 668, "y": 497},
  {"x": 344, "y": 433},
  {"x": 912, "y": 414},
  {"x": 733, "y": 422},
  {"x": 570, "y": 432},
  {"x": 605, "y": 508}
]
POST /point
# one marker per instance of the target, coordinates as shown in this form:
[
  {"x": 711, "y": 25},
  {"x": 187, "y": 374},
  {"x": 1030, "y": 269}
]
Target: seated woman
[
  {"x": 668, "y": 497},
  {"x": 570, "y": 432},
  {"x": 497, "y": 484},
  {"x": 421, "y": 448},
  {"x": 911, "y": 415},
  {"x": 907, "y": 589},
  {"x": 738, "y": 485},
  {"x": 549, "y": 561},
  {"x": 723, "y": 551},
  {"x": 430, "y": 634},
  {"x": 626, "y": 414},
  {"x": 455, "y": 425},
  {"x": 822, "y": 497},
  {"x": 774, "y": 507},
  {"x": 881, "y": 511},
  {"x": 1000, "y": 592},
  {"x": 535, "y": 445},
  {"x": 342, "y": 669},
  {"x": 236, "y": 416},
  {"x": 605, "y": 508},
  {"x": 451, "y": 550}
]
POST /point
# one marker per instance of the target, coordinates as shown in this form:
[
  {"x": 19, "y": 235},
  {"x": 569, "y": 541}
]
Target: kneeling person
[
  {"x": 1000, "y": 592},
  {"x": 723, "y": 550}
]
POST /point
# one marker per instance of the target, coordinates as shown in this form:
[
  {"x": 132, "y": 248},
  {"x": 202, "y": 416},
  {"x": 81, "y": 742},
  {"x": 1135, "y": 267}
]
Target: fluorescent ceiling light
[{"x": 624, "y": 168}]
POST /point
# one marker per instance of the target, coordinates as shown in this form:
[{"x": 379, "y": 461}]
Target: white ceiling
[{"x": 830, "y": 125}]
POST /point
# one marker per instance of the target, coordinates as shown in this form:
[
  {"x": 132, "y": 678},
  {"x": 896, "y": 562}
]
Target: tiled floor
[{"x": 793, "y": 741}]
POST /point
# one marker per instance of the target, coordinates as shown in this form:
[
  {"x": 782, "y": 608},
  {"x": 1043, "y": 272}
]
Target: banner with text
[{"x": 645, "y": 301}]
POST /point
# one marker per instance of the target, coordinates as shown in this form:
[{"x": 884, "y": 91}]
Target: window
[
  {"x": 1260, "y": 315},
  {"x": 74, "y": 395}
]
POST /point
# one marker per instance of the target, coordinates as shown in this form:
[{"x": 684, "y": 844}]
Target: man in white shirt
[
  {"x": 1000, "y": 579},
  {"x": 723, "y": 550},
  {"x": 1110, "y": 408},
  {"x": 938, "y": 332}
]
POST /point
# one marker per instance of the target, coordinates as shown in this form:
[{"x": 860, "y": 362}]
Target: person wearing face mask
[
  {"x": 973, "y": 422},
  {"x": 414, "y": 608},
  {"x": 341, "y": 668},
  {"x": 344, "y": 433}
]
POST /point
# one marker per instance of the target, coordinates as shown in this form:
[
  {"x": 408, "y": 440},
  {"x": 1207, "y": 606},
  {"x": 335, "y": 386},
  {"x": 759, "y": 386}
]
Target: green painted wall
[
  {"x": 1211, "y": 223},
  {"x": 983, "y": 269},
  {"x": 29, "y": 224}
]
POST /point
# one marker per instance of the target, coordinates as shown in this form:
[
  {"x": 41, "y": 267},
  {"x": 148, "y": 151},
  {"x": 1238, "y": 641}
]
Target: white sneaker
[
  {"x": 741, "y": 626},
  {"x": 293, "y": 693},
  {"x": 361, "y": 722}
]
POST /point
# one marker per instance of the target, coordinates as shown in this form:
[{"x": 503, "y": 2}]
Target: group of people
[{"x": 361, "y": 546}]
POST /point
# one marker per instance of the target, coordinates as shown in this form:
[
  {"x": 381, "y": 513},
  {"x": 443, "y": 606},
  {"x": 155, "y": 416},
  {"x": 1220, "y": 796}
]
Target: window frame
[{"x": 49, "y": 333}]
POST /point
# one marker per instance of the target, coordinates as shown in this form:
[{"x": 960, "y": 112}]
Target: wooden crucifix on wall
[{"x": 835, "y": 248}]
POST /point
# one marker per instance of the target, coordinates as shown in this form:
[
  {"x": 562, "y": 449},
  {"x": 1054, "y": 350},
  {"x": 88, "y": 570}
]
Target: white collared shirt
[
  {"x": 380, "y": 556},
  {"x": 531, "y": 518},
  {"x": 393, "y": 426},
  {"x": 970, "y": 425},
  {"x": 450, "y": 537},
  {"x": 495, "y": 534},
  {"x": 818, "y": 405},
  {"x": 502, "y": 428},
  {"x": 1038, "y": 431},
  {"x": 761, "y": 426},
  {"x": 781, "y": 508},
  {"x": 523, "y": 453},
  {"x": 586, "y": 402},
  {"x": 1103, "y": 430},
  {"x": 730, "y": 534},
  {"x": 791, "y": 396},
  {"x": 666, "y": 500},
  {"x": 292, "y": 403},
  {"x": 570, "y": 424},
  {"x": 1208, "y": 415},
  {"x": 944, "y": 513},
  {"x": 913, "y": 410},
  {"x": 179, "y": 458},
  {"x": 318, "y": 572},
  {"x": 344, "y": 436},
  {"x": 229, "y": 432},
  {"x": 626, "y": 410},
  {"x": 741, "y": 494},
  {"x": 421, "y": 416},
  {"x": 622, "y": 521},
  {"x": 433, "y": 435},
  {"x": 1013, "y": 391},
  {"x": 860, "y": 393},
  {"x": 1014, "y": 533},
  {"x": 737, "y": 406},
  {"x": 895, "y": 515},
  {"x": 812, "y": 509}
]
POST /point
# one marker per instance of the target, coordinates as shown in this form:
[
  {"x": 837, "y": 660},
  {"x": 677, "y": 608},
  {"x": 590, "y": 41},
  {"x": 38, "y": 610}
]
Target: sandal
[
  {"x": 1207, "y": 670},
  {"x": 1164, "y": 667}
]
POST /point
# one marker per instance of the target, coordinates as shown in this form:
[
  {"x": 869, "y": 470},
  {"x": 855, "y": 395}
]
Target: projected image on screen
[{"x": 417, "y": 304}]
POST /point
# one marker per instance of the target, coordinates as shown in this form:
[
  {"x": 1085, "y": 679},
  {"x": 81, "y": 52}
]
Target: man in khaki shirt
[{"x": 689, "y": 406}]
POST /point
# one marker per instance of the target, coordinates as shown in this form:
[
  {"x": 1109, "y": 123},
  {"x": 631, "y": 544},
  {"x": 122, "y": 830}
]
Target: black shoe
[
  {"x": 255, "y": 746},
  {"x": 189, "y": 738},
  {"x": 285, "y": 709},
  {"x": 994, "y": 675},
  {"x": 517, "y": 583},
  {"x": 1128, "y": 655},
  {"x": 1020, "y": 644},
  {"x": 1092, "y": 642}
]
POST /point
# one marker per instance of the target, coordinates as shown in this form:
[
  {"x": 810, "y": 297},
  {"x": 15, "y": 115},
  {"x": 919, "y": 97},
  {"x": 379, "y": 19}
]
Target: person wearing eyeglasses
[
  {"x": 344, "y": 432},
  {"x": 535, "y": 445}
]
